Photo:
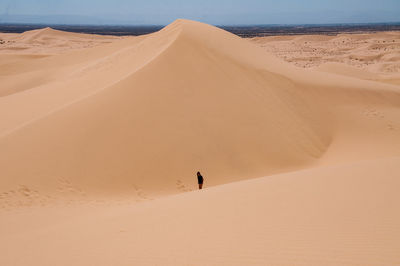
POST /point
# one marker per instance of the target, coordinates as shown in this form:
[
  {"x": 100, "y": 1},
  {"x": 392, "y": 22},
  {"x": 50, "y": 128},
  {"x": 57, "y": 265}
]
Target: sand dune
[
  {"x": 132, "y": 119},
  {"x": 375, "y": 53},
  {"x": 49, "y": 41}
]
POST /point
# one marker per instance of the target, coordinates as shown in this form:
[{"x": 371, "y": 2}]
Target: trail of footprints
[
  {"x": 375, "y": 114},
  {"x": 141, "y": 194},
  {"x": 25, "y": 196},
  {"x": 181, "y": 186},
  {"x": 66, "y": 186},
  {"x": 22, "y": 196}
]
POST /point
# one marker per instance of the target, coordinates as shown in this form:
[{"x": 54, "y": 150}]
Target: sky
[{"x": 217, "y": 12}]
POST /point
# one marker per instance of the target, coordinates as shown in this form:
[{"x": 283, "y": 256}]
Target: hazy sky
[{"x": 210, "y": 11}]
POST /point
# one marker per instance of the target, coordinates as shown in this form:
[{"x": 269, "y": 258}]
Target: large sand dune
[{"x": 135, "y": 118}]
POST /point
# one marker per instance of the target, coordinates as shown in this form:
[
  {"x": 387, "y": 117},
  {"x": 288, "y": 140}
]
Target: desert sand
[
  {"x": 373, "y": 56},
  {"x": 101, "y": 138}
]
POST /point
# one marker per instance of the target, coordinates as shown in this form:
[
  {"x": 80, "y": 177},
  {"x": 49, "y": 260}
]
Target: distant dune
[
  {"x": 375, "y": 54},
  {"x": 48, "y": 41},
  {"x": 100, "y": 123}
]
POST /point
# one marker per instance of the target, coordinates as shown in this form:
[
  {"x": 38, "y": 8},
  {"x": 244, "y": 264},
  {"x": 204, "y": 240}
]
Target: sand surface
[
  {"x": 374, "y": 56},
  {"x": 101, "y": 137},
  {"x": 49, "y": 41}
]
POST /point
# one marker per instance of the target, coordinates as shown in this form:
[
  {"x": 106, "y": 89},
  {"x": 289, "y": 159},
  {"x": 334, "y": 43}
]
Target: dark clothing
[{"x": 200, "y": 179}]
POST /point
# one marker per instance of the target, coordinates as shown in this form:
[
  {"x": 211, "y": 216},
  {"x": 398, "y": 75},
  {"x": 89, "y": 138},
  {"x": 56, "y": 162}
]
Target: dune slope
[
  {"x": 343, "y": 215},
  {"x": 144, "y": 114}
]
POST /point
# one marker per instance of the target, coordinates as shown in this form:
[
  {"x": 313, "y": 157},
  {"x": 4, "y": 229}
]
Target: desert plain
[{"x": 297, "y": 137}]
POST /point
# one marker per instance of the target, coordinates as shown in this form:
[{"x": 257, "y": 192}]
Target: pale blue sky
[{"x": 210, "y": 11}]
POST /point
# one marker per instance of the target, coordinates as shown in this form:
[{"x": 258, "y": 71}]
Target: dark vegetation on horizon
[
  {"x": 327, "y": 29},
  {"x": 243, "y": 31}
]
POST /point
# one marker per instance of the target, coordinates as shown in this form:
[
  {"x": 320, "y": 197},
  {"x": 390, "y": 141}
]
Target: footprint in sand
[
  {"x": 22, "y": 196},
  {"x": 139, "y": 192},
  {"x": 181, "y": 186},
  {"x": 372, "y": 112},
  {"x": 390, "y": 127},
  {"x": 66, "y": 186}
]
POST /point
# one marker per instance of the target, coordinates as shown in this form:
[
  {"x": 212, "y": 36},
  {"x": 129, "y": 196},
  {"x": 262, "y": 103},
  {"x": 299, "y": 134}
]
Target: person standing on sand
[{"x": 200, "y": 180}]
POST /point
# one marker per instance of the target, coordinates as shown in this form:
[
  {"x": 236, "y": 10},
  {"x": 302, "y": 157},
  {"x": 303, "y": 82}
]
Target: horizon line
[{"x": 218, "y": 25}]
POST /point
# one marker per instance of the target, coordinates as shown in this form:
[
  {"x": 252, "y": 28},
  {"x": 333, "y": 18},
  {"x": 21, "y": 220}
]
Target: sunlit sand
[{"x": 101, "y": 138}]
